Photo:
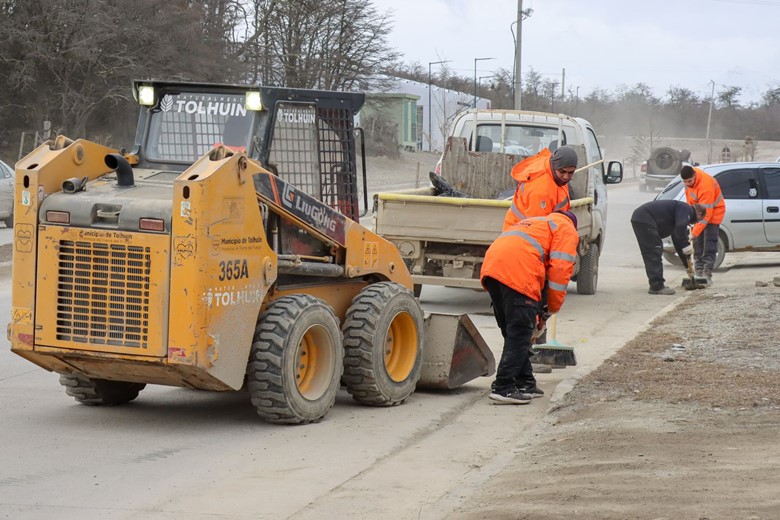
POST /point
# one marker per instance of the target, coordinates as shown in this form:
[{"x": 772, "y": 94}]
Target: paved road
[{"x": 183, "y": 454}]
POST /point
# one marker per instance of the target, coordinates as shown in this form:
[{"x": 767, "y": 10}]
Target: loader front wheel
[
  {"x": 99, "y": 392},
  {"x": 383, "y": 345},
  {"x": 296, "y": 360}
]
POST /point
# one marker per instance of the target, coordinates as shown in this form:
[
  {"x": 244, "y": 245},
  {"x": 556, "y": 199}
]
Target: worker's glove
[
  {"x": 688, "y": 250},
  {"x": 541, "y": 326}
]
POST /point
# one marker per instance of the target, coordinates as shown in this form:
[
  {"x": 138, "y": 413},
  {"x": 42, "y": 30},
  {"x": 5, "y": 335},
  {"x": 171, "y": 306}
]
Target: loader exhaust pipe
[{"x": 124, "y": 172}]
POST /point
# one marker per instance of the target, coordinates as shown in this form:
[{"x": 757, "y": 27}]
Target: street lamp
[
  {"x": 475, "y": 77},
  {"x": 430, "y": 107}
]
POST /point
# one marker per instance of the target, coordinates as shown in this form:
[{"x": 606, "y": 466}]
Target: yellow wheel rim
[
  {"x": 401, "y": 346},
  {"x": 314, "y": 362}
]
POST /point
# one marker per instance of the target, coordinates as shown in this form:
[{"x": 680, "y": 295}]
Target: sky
[{"x": 600, "y": 43}]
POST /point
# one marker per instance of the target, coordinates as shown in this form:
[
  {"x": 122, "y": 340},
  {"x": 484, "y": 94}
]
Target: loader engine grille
[{"x": 103, "y": 293}]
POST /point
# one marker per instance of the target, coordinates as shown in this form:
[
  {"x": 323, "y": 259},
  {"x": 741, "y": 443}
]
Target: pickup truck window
[
  {"x": 518, "y": 140},
  {"x": 592, "y": 149}
]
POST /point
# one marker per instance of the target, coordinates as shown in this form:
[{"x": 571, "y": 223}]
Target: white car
[
  {"x": 6, "y": 194},
  {"x": 752, "y": 219}
]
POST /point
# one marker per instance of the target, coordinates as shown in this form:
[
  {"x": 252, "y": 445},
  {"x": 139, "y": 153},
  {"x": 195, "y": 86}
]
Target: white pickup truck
[{"x": 443, "y": 239}]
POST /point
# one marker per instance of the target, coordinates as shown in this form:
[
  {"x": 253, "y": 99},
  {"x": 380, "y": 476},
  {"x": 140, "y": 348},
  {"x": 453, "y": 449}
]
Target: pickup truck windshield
[
  {"x": 184, "y": 126},
  {"x": 520, "y": 140}
]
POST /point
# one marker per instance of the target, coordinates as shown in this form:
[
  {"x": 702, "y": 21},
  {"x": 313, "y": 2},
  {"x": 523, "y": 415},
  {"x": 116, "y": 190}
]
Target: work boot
[
  {"x": 662, "y": 290},
  {"x": 533, "y": 391},
  {"x": 510, "y": 396}
]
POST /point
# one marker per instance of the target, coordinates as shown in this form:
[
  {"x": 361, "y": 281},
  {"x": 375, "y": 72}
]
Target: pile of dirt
[{"x": 682, "y": 422}]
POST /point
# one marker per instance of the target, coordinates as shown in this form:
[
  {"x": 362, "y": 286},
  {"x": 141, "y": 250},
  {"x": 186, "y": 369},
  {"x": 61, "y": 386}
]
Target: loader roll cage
[{"x": 306, "y": 137}]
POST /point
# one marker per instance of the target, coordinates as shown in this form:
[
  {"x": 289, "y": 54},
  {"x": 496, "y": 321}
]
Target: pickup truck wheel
[
  {"x": 383, "y": 345},
  {"x": 588, "y": 275},
  {"x": 296, "y": 360},
  {"x": 99, "y": 392},
  {"x": 642, "y": 186},
  {"x": 417, "y": 290},
  {"x": 9, "y": 221}
]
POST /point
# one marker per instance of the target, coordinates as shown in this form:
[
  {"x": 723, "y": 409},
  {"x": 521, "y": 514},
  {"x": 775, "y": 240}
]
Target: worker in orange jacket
[
  {"x": 516, "y": 266},
  {"x": 702, "y": 188},
  {"x": 542, "y": 184}
]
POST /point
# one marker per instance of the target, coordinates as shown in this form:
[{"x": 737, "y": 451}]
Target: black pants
[
  {"x": 652, "y": 247},
  {"x": 705, "y": 249},
  {"x": 516, "y": 317}
]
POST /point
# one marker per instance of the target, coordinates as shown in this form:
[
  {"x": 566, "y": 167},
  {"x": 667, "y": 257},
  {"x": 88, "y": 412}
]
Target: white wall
[{"x": 446, "y": 104}]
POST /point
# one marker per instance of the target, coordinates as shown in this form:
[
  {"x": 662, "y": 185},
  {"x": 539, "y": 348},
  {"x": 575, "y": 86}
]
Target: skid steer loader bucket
[{"x": 455, "y": 352}]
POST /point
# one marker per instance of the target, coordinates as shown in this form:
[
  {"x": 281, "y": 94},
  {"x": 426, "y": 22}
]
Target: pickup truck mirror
[{"x": 614, "y": 173}]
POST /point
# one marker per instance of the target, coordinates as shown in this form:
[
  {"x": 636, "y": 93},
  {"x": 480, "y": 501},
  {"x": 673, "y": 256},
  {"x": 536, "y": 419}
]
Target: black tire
[
  {"x": 642, "y": 186},
  {"x": 296, "y": 360},
  {"x": 9, "y": 221},
  {"x": 673, "y": 259},
  {"x": 664, "y": 161},
  {"x": 721, "y": 255},
  {"x": 417, "y": 290},
  {"x": 99, "y": 392},
  {"x": 588, "y": 275},
  {"x": 383, "y": 345}
]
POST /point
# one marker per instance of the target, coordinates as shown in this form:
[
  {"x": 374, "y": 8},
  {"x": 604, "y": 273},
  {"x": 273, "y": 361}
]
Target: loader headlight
[
  {"x": 253, "y": 101},
  {"x": 146, "y": 95}
]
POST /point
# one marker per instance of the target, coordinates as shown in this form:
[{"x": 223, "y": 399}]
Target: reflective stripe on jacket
[
  {"x": 536, "y": 194},
  {"x": 706, "y": 191},
  {"x": 531, "y": 252}
]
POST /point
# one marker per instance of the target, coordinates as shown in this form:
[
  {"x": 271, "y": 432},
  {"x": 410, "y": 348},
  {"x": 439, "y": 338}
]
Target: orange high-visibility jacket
[
  {"x": 706, "y": 191},
  {"x": 536, "y": 194},
  {"x": 532, "y": 251}
]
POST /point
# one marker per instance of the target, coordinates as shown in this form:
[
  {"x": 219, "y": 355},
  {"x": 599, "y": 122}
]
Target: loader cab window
[{"x": 185, "y": 126}]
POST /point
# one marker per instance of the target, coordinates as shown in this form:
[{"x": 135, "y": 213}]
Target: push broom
[{"x": 553, "y": 353}]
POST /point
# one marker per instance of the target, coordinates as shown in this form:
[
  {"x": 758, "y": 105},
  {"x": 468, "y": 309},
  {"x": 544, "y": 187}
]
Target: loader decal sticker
[
  {"x": 233, "y": 270},
  {"x": 229, "y": 296},
  {"x": 300, "y": 204},
  {"x": 24, "y": 235},
  {"x": 370, "y": 255},
  {"x": 204, "y": 104},
  {"x": 184, "y": 247}
]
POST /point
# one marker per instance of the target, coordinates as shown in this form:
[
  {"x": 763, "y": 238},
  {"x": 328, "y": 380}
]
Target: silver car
[
  {"x": 752, "y": 219},
  {"x": 6, "y": 194}
]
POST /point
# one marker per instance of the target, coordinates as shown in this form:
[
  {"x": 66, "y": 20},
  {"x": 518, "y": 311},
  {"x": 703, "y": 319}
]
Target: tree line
[{"x": 72, "y": 62}]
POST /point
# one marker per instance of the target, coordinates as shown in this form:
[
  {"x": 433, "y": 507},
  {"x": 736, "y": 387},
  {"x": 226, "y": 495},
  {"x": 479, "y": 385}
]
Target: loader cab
[{"x": 306, "y": 137}]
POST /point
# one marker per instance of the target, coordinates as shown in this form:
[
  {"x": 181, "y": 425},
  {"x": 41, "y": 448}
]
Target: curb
[{"x": 566, "y": 385}]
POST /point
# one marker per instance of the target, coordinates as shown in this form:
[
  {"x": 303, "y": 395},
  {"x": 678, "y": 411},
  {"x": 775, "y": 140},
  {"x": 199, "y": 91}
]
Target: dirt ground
[{"x": 682, "y": 422}]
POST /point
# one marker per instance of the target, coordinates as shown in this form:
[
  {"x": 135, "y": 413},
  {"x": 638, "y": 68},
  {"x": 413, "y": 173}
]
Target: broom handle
[{"x": 553, "y": 325}]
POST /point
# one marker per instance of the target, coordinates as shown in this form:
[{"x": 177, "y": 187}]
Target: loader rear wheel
[
  {"x": 99, "y": 392},
  {"x": 296, "y": 360},
  {"x": 588, "y": 275},
  {"x": 383, "y": 345}
]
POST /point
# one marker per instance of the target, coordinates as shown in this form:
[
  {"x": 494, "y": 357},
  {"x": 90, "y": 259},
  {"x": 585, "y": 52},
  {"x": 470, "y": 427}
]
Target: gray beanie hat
[{"x": 564, "y": 157}]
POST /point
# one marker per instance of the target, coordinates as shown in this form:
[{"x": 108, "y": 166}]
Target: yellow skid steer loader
[{"x": 223, "y": 252}]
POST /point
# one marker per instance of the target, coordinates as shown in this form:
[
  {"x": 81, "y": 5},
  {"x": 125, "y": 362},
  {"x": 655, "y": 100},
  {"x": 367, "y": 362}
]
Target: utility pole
[
  {"x": 475, "y": 78},
  {"x": 517, "y": 87},
  {"x": 709, "y": 119},
  {"x": 563, "y": 87},
  {"x": 518, "y": 49}
]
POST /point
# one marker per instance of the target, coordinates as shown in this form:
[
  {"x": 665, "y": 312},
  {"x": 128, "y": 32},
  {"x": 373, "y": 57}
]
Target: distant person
[
  {"x": 702, "y": 188},
  {"x": 542, "y": 184},
  {"x": 516, "y": 266},
  {"x": 655, "y": 220}
]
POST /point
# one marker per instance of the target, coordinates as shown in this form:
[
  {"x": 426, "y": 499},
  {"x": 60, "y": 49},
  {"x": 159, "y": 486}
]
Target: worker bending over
[
  {"x": 514, "y": 271},
  {"x": 652, "y": 222}
]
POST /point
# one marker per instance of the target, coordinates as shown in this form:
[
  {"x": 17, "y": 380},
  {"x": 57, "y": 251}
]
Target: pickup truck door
[{"x": 771, "y": 203}]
